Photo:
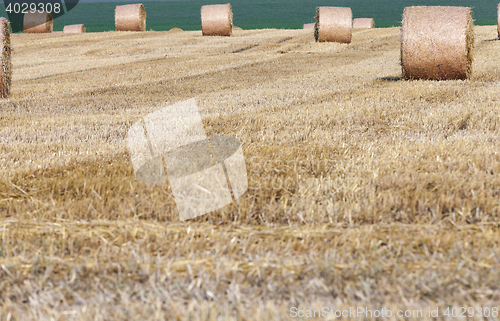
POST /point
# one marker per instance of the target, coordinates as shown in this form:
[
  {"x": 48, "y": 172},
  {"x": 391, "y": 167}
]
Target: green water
[{"x": 256, "y": 14}]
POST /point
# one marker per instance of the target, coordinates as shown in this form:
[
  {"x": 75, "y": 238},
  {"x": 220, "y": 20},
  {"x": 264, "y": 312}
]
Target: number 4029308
[
  {"x": 463, "y": 312},
  {"x": 33, "y": 7}
]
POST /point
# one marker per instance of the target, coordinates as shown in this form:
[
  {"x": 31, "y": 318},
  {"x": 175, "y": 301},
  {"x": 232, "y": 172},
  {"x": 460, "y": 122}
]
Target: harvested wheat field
[{"x": 365, "y": 190}]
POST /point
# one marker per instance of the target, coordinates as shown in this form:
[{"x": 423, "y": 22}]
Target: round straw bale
[
  {"x": 74, "y": 29},
  {"x": 237, "y": 28},
  {"x": 5, "y": 51},
  {"x": 217, "y": 20},
  {"x": 437, "y": 43},
  {"x": 498, "y": 20},
  {"x": 175, "y": 30},
  {"x": 309, "y": 25},
  {"x": 38, "y": 22},
  {"x": 360, "y": 23},
  {"x": 333, "y": 24},
  {"x": 130, "y": 17}
]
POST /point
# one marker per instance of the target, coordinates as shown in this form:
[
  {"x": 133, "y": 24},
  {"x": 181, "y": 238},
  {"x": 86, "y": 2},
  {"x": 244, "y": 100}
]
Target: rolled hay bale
[
  {"x": 38, "y": 22},
  {"x": 130, "y": 17},
  {"x": 217, "y": 20},
  {"x": 437, "y": 43},
  {"x": 6, "y": 70},
  {"x": 175, "y": 30},
  {"x": 74, "y": 29},
  {"x": 360, "y": 23},
  {"x": 309, "y": 25},
  {"x": 333, "y": 24},
  {"x": 237, "y": 28}
]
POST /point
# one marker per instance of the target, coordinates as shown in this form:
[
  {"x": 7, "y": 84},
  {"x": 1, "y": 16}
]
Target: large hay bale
[
  {"x": 437, "y": 43},
  {"x": 498, "y": 20},
  {"x": 38, "y": 22},
  {"x": 5, "y": 52},
  {"x": 74, "y": 29},
  {"x": 130, "y": 17},
  {"x": 333, "y": 24},
  {"x": 217, "y": 20},
  {"x": 360, "y": 23},
  {"x": 308, "y": 25}
]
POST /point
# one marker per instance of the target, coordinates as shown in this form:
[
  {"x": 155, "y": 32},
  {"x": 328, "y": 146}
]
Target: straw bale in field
[
  {"x": 38, "y": 22},
  {"x": 80, "y": 28},
  {"x": 333, "y": 24},
  {"x": 130, "y": 17},
  {"x": 437, "y": 43},
  {"x": 360, "y": 23},
  {"x": 217, "y": 20},
  {"x": 6, "y": 71}
]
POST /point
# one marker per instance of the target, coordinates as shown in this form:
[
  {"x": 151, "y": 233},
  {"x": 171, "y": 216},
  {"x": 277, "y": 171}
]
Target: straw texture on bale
[
  {"x": 309, "y": 25},
  {"x": 6, "y": 71},
  {"x": 38, "y": 22},
  {"x": 175, "y": 30},
  {"x": 498, "y": 20},
  {"x": 360, "y": 23},
  {"x": 74, "y": 29},
  {"x": 130, "y": 17},
  {"x": 437, "y": 43},
  {"x": 217, "y": 20},
  {"x": 333, "y": 24}
]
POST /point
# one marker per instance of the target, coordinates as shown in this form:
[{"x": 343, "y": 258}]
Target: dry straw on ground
[
  {"x": 5, "y": 52},
  {"x": 217, "y": 20},
  {"x": 38, "y": 22},
  {"x": 130, "y": 17},
  {"x": 333, "y": 24},
  {"x": 364, "y": 190},
  {"x": 437, "y": 43},
  {"x": 360, "y": 23},
  {"x": 308, "y": 25},
  {"x": 80, "y": 28}
]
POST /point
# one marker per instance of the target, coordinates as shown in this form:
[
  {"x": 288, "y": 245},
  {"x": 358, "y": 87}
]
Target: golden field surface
[{"x": 365, "y": 190}]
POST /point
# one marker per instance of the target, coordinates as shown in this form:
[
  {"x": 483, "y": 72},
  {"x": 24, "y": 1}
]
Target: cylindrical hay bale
[
  {"x": 6, "y": 70},
  {"x": 74, "y": 29},
  {"x": 38, "y": 22},
  {"x": 309, "y": 25},
  {"x": 498, "y": 20},
  {"x": 217, "y": 20},
  {"x": 333, "y": 24},
  {"x": 360, "y": 23},
  {"x": 130, "y": 17},
  {"x": 437, "y": 43}
]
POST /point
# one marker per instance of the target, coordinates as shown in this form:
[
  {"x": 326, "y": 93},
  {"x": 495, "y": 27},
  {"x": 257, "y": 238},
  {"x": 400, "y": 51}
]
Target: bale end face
[
  {"x": 38, "y": 22},
  {"x": 437, "y": 43},
  {"x": 130, "y": 17},
  {"x": 5, "y": 54},
  {"x": 333, "y": 24},
  {"x": 217, "y": 20}
]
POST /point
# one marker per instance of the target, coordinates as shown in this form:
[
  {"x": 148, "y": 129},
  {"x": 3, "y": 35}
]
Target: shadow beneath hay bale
[
  {"x": 490, "y": 40},
  {"x": 393, "y": 78}
]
